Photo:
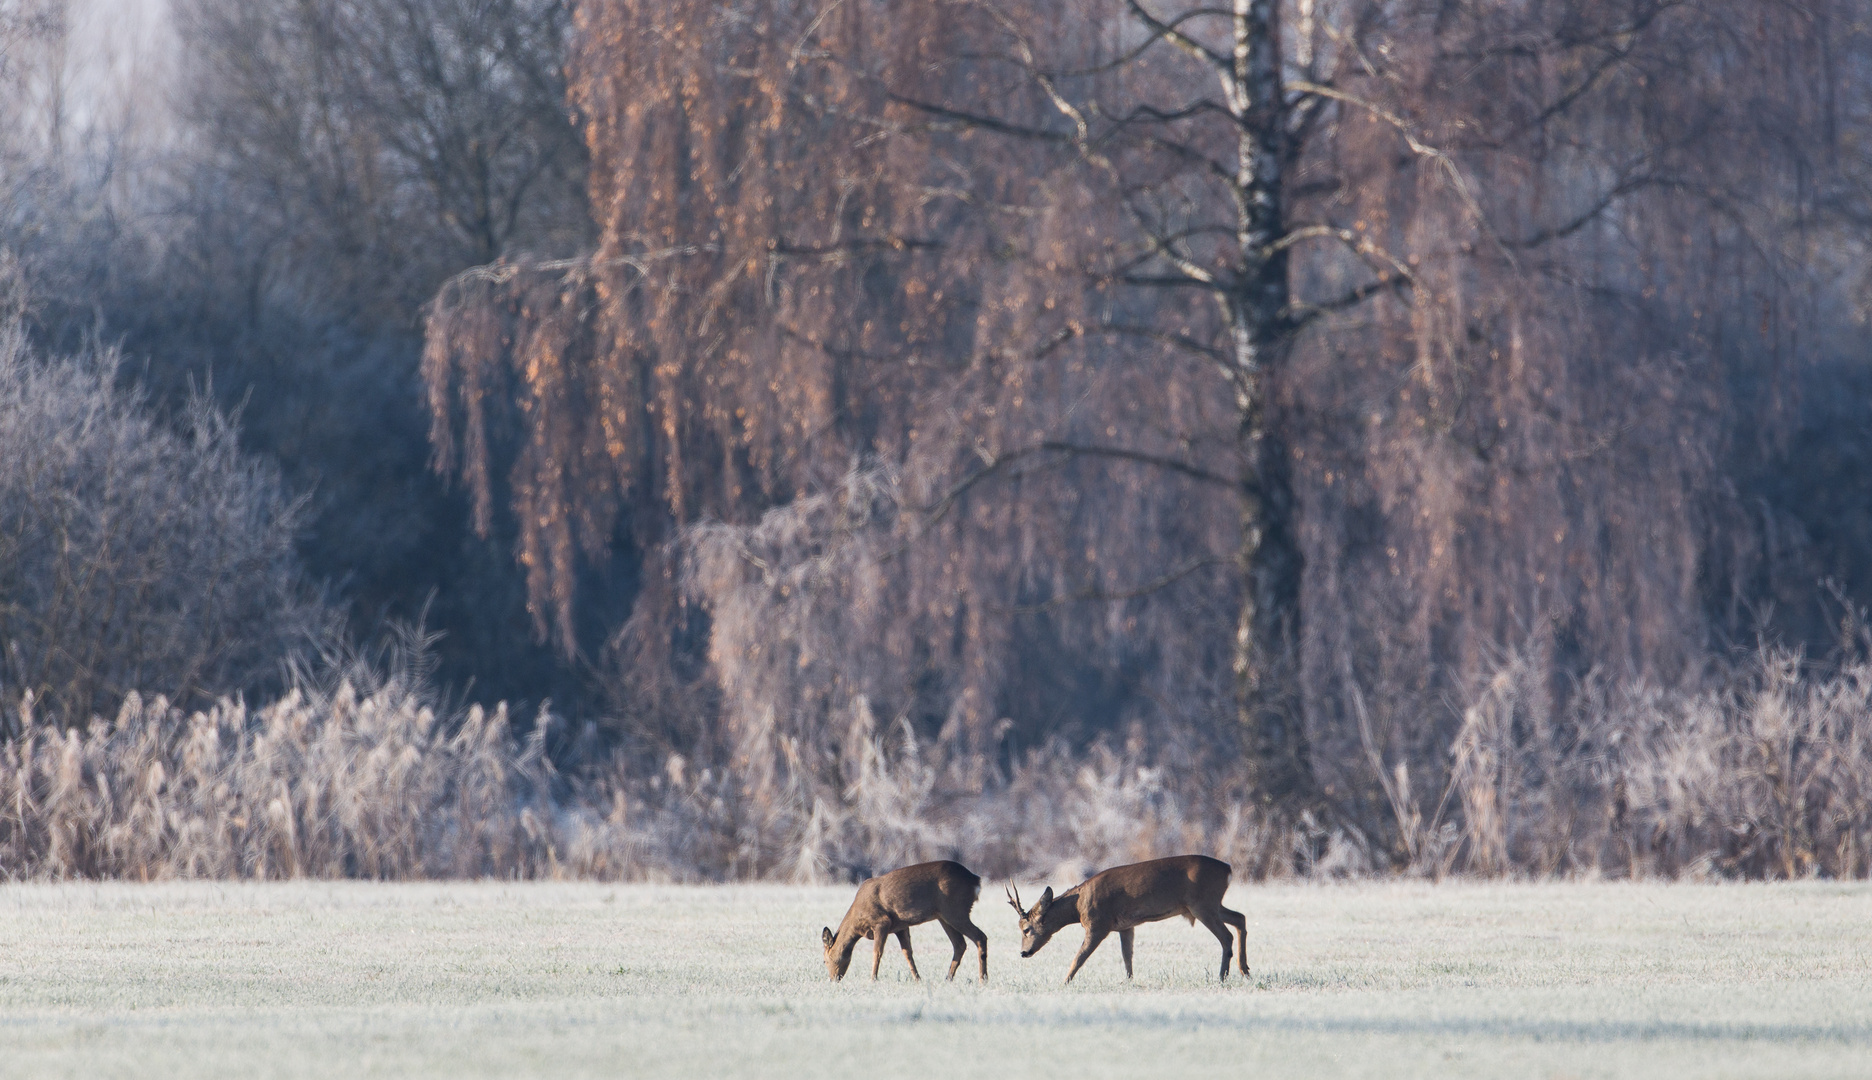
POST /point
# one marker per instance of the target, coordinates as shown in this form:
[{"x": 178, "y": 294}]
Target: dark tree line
[{"x": 322, "y": 168}]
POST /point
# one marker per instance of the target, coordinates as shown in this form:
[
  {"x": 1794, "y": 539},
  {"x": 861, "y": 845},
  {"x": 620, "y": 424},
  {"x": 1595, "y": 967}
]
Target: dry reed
[{"x": 1763, "y": 775}]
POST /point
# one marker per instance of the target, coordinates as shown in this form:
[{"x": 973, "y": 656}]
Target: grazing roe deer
[
  {"x": 892, "y": 904},
  {"x": 1128, "y": 896}
]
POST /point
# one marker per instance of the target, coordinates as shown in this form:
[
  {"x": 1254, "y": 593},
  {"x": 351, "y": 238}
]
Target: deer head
[
  {"x": 1034, "y": 931},
  {"x": 836, "y": 959}
]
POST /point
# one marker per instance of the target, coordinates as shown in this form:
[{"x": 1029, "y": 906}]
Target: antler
[{"x": 1014, "y": 899}]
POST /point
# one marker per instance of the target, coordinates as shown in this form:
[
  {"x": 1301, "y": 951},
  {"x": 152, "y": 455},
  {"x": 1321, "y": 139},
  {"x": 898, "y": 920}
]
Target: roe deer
[
  {"x": 892, "y": 904},
  {"x": 1125, "y": 897}
]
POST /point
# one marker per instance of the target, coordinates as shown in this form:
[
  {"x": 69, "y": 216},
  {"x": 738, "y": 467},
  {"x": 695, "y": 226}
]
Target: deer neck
[
  {"x": 850, "y": 933},
  {"x": 1062, "y": 912}
]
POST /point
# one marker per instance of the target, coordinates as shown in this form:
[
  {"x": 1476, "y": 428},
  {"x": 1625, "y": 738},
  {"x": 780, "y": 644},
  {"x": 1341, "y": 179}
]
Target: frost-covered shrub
[
  {"x": 347, "y": 776},
  {"x": 134, "y": 555}
]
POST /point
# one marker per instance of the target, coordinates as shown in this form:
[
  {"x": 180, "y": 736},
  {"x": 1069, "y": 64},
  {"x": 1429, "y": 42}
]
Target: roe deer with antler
[
  {"x": 1125, "y": 897},
  {"x": 892, "y": 904}
]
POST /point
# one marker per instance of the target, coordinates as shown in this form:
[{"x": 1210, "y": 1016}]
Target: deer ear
[
  {"x": 1046, "y": 898},
  {"x": 825, "y": 935}
]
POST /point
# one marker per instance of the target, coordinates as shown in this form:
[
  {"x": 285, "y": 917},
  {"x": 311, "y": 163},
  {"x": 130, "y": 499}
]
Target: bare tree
[
  {"x": 1306, "y": 181},
  {"x": 33, "y": 41},
  {"x": 404, "y": 138},
  {"x": 341, "y": 159}
]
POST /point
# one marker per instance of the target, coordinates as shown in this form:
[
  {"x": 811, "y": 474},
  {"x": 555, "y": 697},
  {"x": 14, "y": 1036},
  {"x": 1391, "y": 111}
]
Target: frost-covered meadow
[{"x": 315, "y": 979}]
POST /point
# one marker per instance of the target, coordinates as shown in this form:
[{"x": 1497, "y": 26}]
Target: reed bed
[{"x": 366, "y": 775}]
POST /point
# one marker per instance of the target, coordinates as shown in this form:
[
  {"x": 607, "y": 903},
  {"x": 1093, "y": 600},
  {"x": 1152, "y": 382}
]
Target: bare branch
[
  {"x": 1150, "y": 41},
  {"x": 1393, "y": 274},
  {"x": 1579, "y": 221},
  {"x": 1001, "y": 463},
  {"x": 1097, "y": 595},
  {"x": 1417, "y": 145},
  {"x": 1169, "y": 32},
  {"x": 836, "y": 252},
  {"x": 1302, "y": 315},
  {"x": 987, "y": 123}
]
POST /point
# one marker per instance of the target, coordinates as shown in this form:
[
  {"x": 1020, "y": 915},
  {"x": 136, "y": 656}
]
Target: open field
[{"x": 313, "y": 979}]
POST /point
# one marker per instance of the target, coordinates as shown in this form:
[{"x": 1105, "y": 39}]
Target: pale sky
[{"x": 117, "y": 68}]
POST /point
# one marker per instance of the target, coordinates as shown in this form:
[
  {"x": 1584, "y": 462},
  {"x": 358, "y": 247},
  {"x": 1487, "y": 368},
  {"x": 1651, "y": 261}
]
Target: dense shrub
[{"x": 134, "y": 556}]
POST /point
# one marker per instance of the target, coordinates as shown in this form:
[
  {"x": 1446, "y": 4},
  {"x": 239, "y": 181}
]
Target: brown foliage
[
  {"x": 726, "y": 317},
  {"x": 762, "y": 314},
  {"x": 1542, "y": 263},
  {"x": 1533, "y": 451}
]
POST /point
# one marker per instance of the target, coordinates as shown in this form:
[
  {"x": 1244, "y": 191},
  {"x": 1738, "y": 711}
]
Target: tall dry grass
[
  {"x": 333, "y": 782},
  {"x": 364, "y": 775},
  {"x": 1764, "y": 773}
]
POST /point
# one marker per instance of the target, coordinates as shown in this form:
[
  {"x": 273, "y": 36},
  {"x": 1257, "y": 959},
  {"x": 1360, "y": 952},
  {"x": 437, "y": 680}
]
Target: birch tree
[{"x": 1278, "y": 173}]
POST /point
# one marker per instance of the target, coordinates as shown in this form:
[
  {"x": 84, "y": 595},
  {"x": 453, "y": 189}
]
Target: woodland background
[{"x": 1346, "y": 436}]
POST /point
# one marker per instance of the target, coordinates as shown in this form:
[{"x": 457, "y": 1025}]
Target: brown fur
[
  {"x": 893, "y": 903},
  {"x": 1125, "y": 897}
]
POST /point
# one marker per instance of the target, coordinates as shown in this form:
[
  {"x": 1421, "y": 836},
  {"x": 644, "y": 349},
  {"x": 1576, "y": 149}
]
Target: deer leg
[
  {"x": 1092, "y": 939},
  {"x": 955, "y": 942},
  {"x": 903, "y": 938},
  {"x": 974, "y": 933},
  {"x": 1124, "y": 948},
  {"x": 1213, "y": 920},
  {"x": 1240, "y": 923},
  {"x": 877, "y": 952}
]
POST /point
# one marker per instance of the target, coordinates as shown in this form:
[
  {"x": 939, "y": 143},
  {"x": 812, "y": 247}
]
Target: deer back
[
  {"x": 915, "y": 894},
  {"x": 1126, "y": 896}
]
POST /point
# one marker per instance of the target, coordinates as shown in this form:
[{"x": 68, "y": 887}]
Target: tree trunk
[{"x": 1267, "y": 635}]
